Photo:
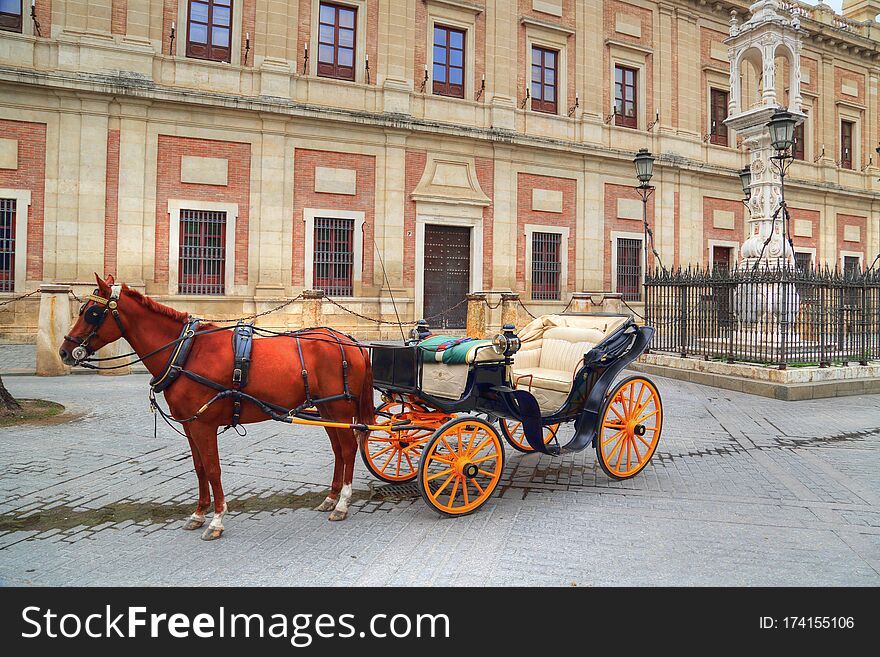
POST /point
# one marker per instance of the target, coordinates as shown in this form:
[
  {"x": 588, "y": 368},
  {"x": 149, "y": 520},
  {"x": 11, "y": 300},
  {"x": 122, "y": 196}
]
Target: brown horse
[{"x": 275, "y": 377}]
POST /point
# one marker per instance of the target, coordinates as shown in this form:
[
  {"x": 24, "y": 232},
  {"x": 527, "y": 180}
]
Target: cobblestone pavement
[{"x": 743, "y": 491}]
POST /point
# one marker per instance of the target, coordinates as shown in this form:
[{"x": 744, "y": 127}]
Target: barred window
[
  {"x": 629, "y": 268},
  {"x": 718, "y": 106},
  {"x": 626, "y": 97},
  {"x": 448, "y": 62},
  {"x": 202, "y": 267},
  {"x": 797, "y": 149},
  {"x": 336, "y": 39},
  {"x": 846, "y": 144},
  {"x": 544, "y": 67},
  {"x": 10, "y": 15},
  {"x": 803, "y": 260},
  {"x": 334, "y": 256},
  {"x": 7, "y": 244},
  {"x": 209, "y": 33},
  {"x": 546, "y": 266}
]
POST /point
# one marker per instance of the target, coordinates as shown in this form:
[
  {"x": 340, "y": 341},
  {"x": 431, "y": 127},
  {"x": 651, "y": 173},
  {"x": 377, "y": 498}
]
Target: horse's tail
[{"x": 366, "y": 410}]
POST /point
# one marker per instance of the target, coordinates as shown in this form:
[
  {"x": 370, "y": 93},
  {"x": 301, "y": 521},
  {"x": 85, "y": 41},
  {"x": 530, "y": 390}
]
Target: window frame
[
  {"x": 200, "y": 279},
  {"x": 7, "y": 276},
  {"x": 447, "y": 92},
  {"x": 616, "y": 236},
  {"x": 554, "y": 294},
  {"x": 332, "y": 71},
  {"x": 847, "y": 163},
  {"x": 542, "y": 105},
  {"x": 224, "y": 53},
  {"x": 719, "y": 133},
  {"x": 175, "y": 207},
  {"x": 799, "y": 145},
  {"x": 332, "y": 285},
  {"x": 22, "y": 198},
  {"x": 12, "y": 22},
  {"x": 620, "y": 119},
  {"x": 310, "y": 215}
]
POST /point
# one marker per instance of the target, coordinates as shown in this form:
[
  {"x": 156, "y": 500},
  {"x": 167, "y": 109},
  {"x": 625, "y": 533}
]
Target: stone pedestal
[
  {"x": 53, "y": 324},
  {"x": 476, "y": 315},
  {"x": 311, "y": 308},
  {"x": 597, "y": 303},
  {"x": 114, "y": 349},
  {"x": 510, "y": 309}
]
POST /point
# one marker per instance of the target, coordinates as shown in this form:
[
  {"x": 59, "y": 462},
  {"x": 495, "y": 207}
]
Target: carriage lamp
[
  {"x": 420, "y": 331},
  {"x": 745, "y": 177},
  {"x": 506, "y": 343},
  {"x": 781, "y": 127},
  {"x": 644, "y": 162}
]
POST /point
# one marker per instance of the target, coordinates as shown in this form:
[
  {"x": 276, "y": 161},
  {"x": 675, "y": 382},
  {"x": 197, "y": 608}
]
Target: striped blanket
[{"x": 448, "y": 349}]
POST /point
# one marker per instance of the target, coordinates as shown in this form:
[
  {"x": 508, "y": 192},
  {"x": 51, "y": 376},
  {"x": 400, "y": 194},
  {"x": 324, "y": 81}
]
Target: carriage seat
[
  {"x": 552, "y": 349},
  {"x": 445, "y": 370}
]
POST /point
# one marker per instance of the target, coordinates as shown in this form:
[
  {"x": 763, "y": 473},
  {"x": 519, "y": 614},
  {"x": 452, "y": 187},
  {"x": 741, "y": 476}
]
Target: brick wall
[
  {"x": 30, "y": 175},
  {"x": 615, "y": 224},
  {"x": 119, "y": 16},
  {"x": 813, "y": 216},
  {"x": 44, "y": 15},
  {"x": 707, "y": 37},
  {"x": 304, "y": 36},
  {"x": 415, "y": 167},
  {"x": 645, "y": 16},
  {"x": 711, "y": 232},
  {"x": 844, "y": 220},
  {"x": 525, "y": 183},
  {"x": 111, "y": 202},
  {"x": 237, "y": 190},
  {"x": 523, "y": 70},
  {"x": 486, "y": 178},
  {"x": 305, "y": 196}
]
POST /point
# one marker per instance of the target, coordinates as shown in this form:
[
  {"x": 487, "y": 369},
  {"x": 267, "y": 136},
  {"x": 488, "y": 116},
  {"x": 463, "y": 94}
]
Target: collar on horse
[
  {"x": 177, "y": 360},
  {"x": 95, "y": 316}
]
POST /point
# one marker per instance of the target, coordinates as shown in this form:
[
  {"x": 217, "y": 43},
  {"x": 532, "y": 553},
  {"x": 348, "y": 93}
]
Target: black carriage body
[{"x": 397, "y": 368}]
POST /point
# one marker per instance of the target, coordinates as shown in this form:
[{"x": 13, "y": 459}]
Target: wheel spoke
[
  {"x": 494, "y": 455},
  {"x": 616, "y": 446},
  {"x": 616, "y": 412},
  {"x": 620, "y": 455},
  {"x": 479, "y": 488},
  {"x": 636, "y": 450},
  {"x": 380, "y": 452},
  {"x": 471, "y": 441},
  {"x": 385, "y": 467},
  {"x": 411, "y": 466},
  {"x": 481, "y": 446},
  {"x": 434, "y": 457},
  {"x": 645, "y": 442},
  {"x": 399, "y": 460},
  {"x": 612, "y": 437},
  {"x": 451, "y": 501},
  {"x": 645, "y": 417},
  {"x": 452, "y": 452},
  {"x": 628, "y": 442},
  {"x": 464, "y": 483},
  {"x": 444, "y": 485},
  {"x": 437, "y": 475}
]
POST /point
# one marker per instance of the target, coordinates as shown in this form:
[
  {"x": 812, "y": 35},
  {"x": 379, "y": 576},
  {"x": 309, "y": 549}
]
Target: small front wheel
[
  {"x": 629, "y": 430},
  {"x": 461, "y": 466},
  {"x": 393, "y": 457},
  {"x": 515, "y": 436}
]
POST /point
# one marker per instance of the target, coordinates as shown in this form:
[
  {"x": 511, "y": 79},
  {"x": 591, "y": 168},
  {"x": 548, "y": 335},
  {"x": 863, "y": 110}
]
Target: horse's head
[{"x": 91, "y": 331}]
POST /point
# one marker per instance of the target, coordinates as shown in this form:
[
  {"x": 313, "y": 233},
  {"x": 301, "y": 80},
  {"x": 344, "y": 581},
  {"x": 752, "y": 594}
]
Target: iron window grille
[
  {"x": 546, "y": 266},
  {"x": 626, "y": 97},
  {"x": 334, "y": 256},
  {"x": 797, "y": 150},
  {"x": 448, "y": 77},
  {"x": 209, "y": 30},
  {"x": 544, "y": 83},
  {"x": 202, "y": 268},
  {"x": 337, "y": 32},
  {"x": 846, "y": 141},
  {"x": 717, "y": 130},
  {"x": 10, "y": 15},
  {"x": 629, "y": 268},
  {"x": 7, "y": 244},
  {"x": 803, "y": 260}
]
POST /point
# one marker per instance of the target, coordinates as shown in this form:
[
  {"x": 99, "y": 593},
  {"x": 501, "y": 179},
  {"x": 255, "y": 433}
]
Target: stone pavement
[{"x": 742, "y": 491}]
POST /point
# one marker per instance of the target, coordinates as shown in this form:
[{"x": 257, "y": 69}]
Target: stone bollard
[
  {"x": 476, "y": 315},
  {"x": 52, "y": 326},
  {"x": 510, "y": 309},
  {"x": 311, "y": 308},
  {"x": 597, "y": 302},
  {"x": 114, "y": 349}
]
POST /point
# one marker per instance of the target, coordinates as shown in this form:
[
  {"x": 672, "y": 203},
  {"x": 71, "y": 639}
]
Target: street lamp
[
  {"x": 781, "y": 127},
  {"x": 745, "y": 177},
  {"x": 644, "y": 163}
]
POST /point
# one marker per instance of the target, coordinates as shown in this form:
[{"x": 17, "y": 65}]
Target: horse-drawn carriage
[{"x": 448, "y": 402}]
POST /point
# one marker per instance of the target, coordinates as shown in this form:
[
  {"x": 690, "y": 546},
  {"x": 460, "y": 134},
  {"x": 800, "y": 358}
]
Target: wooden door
[
  {"x": 447, "y": 275},
  {"x": 721, "y": 257}
]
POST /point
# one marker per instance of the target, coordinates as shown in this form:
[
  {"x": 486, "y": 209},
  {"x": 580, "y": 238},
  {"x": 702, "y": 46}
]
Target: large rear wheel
[
  {"x": 393, "y": 457},
  {"x": 629, "y": 430},
  {"x": 461, "y": 466},
  {"x": 515, "y": 436}
]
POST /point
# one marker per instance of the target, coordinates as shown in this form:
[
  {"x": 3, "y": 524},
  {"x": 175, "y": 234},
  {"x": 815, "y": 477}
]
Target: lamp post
[
  {"x": 644, "y": 163},
  {"x": 781, "y": 126}
]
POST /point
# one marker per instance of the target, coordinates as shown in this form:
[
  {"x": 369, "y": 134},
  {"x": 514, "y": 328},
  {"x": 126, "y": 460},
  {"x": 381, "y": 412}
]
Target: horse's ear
[
  {"x": 102, "y": 285},
  {"x": 110, "y": 280}
]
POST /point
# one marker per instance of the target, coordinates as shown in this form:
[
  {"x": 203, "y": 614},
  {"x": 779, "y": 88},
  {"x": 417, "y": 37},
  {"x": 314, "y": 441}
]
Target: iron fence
[{"x": 774, "y": 316}]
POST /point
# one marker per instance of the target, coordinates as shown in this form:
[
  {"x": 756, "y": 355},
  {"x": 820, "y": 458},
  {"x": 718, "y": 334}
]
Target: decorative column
[
  {"x": 53, "y": 324},
  {"x": 510, "y": 309},
  {"x": 311, "y": 308},
  {"x": 476, "y": 315}
]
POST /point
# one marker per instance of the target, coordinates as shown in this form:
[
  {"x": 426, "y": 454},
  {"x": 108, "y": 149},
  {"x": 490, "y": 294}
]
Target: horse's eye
[{"x": 82, "y": 308}]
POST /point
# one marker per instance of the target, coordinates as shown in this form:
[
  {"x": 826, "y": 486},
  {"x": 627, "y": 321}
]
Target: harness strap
[
  {"x": 178, "y": 357},
  {"x": 305, "y": 374},
  {"x": 242, "y": 341}
]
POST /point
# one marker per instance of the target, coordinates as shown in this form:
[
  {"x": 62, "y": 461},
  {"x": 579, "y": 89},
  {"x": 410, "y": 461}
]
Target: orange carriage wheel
[
  {"x": 630, "y": 428},
  {"x": 515, "y": 436},
  {"x": 461, "y": 466},
  {"x": 394, "y": 457}
]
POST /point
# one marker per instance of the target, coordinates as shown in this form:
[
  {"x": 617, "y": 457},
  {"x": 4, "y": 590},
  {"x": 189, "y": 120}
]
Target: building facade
[{"x": 224, "y": 155}]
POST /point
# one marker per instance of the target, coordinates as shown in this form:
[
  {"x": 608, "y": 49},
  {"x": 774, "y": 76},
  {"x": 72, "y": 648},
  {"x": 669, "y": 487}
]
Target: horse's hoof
[
  {"x": 326, "y": 505},
  {"x": 338, "y": 515},
  {"x": 192, "y": 523},
  {"x": 211, "y": 534}
]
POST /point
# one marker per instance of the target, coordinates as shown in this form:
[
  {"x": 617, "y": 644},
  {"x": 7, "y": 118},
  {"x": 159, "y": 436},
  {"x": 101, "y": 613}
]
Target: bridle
[{"x": 95, "y": 315}]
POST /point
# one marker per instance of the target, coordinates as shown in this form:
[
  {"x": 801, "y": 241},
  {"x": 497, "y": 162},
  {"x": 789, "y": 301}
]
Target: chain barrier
[
  {"x": 19, "y": 297},
  {"x": 385, "y": 321},
  {"x": 254, "y": 315},
  {"x": 519, "y": 301}
]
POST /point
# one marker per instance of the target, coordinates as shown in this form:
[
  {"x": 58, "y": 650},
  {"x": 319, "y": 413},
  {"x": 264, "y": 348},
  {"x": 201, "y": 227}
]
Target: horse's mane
[{"x": 155, "y": 306}]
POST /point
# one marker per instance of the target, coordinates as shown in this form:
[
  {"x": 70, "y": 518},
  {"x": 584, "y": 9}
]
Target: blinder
[{"x": 94, "y": 316}]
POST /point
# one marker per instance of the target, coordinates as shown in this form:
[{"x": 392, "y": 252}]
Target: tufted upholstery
[{"x": 553, "y": 346}]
